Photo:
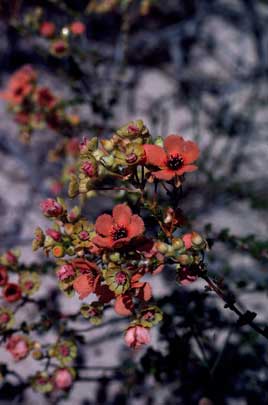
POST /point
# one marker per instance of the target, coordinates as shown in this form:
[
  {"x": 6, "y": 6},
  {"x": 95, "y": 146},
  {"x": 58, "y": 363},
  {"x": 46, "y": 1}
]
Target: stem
[{"x": 233, "y": 307}]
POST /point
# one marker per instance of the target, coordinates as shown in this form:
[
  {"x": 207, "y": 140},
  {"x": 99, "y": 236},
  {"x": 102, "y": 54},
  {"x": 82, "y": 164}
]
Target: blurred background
[{"x": 195, "y": 68}]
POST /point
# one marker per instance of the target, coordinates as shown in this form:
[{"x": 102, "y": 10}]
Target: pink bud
[
  {"x": 55, "y": 235},
  {"x": 88, "y": 169},
  {"x": 51, "y": 208},
  {"x": 18, "y": 346},
  {"x": 65, "y": 271},
  {"x": 137, "y": 336},
  {"x": 63, "y": 378}
]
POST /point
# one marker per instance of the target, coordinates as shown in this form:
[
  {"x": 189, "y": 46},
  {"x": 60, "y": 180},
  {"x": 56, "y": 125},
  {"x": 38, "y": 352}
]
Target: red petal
[
  {"x": 123, "y": 305},
  {"x": 164, "y": 174},
  {"x": 185, "y": 169},
  {"x": 155, "y": 155},
  {"x": 190, "y": 152},
  {"x": 83, "y": 285},
  {"x": 102, "y": 242},
  {"x": 158, "y": 269},
  {"x": 122, "y": 214},
  {"x": 136, "y": 226},
  {"x": 84, "y": 266},
  {"x": 104, "y": 224},
  {"x": 174, "y": 143},
  {"x": 145, "y": 292}
]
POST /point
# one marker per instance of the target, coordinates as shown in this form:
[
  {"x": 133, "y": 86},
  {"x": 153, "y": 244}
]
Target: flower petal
[
  {"x": 174, "y": 143},
  {"x": 122, "y": 214},
  {"x": 155, "y": 155},
  {"x": 104, "y": 224},
  {"x": 103, "y": 242},
  {"x": 83, "y": 285},
  {"x": 165, "y": 174},
  {"x": 185, "y": 169},
  {"x": 124, "y": 305},
  {"x": 136, "y": 226},
  {"x": 190, "y": 152},
  {"x": 145, "y": 292}
]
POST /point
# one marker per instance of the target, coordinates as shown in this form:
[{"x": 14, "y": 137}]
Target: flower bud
[
  {"x": 55, "y": 235},
  {"x": 37, "y": 355},
  {"x": 108, "y": 161},
  {"x": 58, "y": 251},
  {"x": 115, "y": 257},
  {"x": 161, "y": 247},
  {"x": 51, "y": 208},
  {"x": 73, "y": 188},
  {"x": 198, "y": 241},
  {"x": 177, "y": 243},
  {"x": 185, "y": 259},
  {"x": 108, "y": 145}
]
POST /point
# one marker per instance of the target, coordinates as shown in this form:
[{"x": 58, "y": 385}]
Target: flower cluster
[
  {"x": 16, "y": 336},
  {"x": 35, "y": 107},
  {"x": 114, "y": 258}
]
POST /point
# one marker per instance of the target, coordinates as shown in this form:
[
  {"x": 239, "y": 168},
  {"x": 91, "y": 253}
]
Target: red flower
[
  {"x": 175, "y": 159},
  {"x": 86, "y": 283},
  {"x": 45, "y": 98},
  {"x": 77, "y": 28},
  {"x": 12, "y": 292},
  {"x": 117, "y": 229},
  {"x": 47, "y": 29},
  {"x": 20, "y": 85},
  {"x": 3, "y": 276},
  {"x": 137, "y": 336}
]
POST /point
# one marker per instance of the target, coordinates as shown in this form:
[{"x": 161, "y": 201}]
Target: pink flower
[
  {"x": 65, "y": 271},
  {"x": 18, "y": 346},
  {"x": 137, "y": 336},
  {"x": 55, "y": 235},
  {"x": 63, "y": 378},
  {"x": 51, "y": 208}
]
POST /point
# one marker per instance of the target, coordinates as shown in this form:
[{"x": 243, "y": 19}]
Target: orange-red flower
[
  {"x": 117, "y": 229},
  {"x": 77, "y": 28},
  {"x": 86, "y": 283},
  {"x": 20, "y": 85},
  {"x": 47, "y": 29},
  {"x": 174, "y": 159}
]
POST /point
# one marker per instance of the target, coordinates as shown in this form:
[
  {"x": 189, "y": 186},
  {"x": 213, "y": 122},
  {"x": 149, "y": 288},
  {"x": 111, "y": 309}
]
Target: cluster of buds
[
  {"x": 132, "y": 155},
  {"x": 16, "y": 336},
  {"x": 111, "y": 257},
  {"x": 59, "y": 38},
  {"x": 35, "y": 107}
]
